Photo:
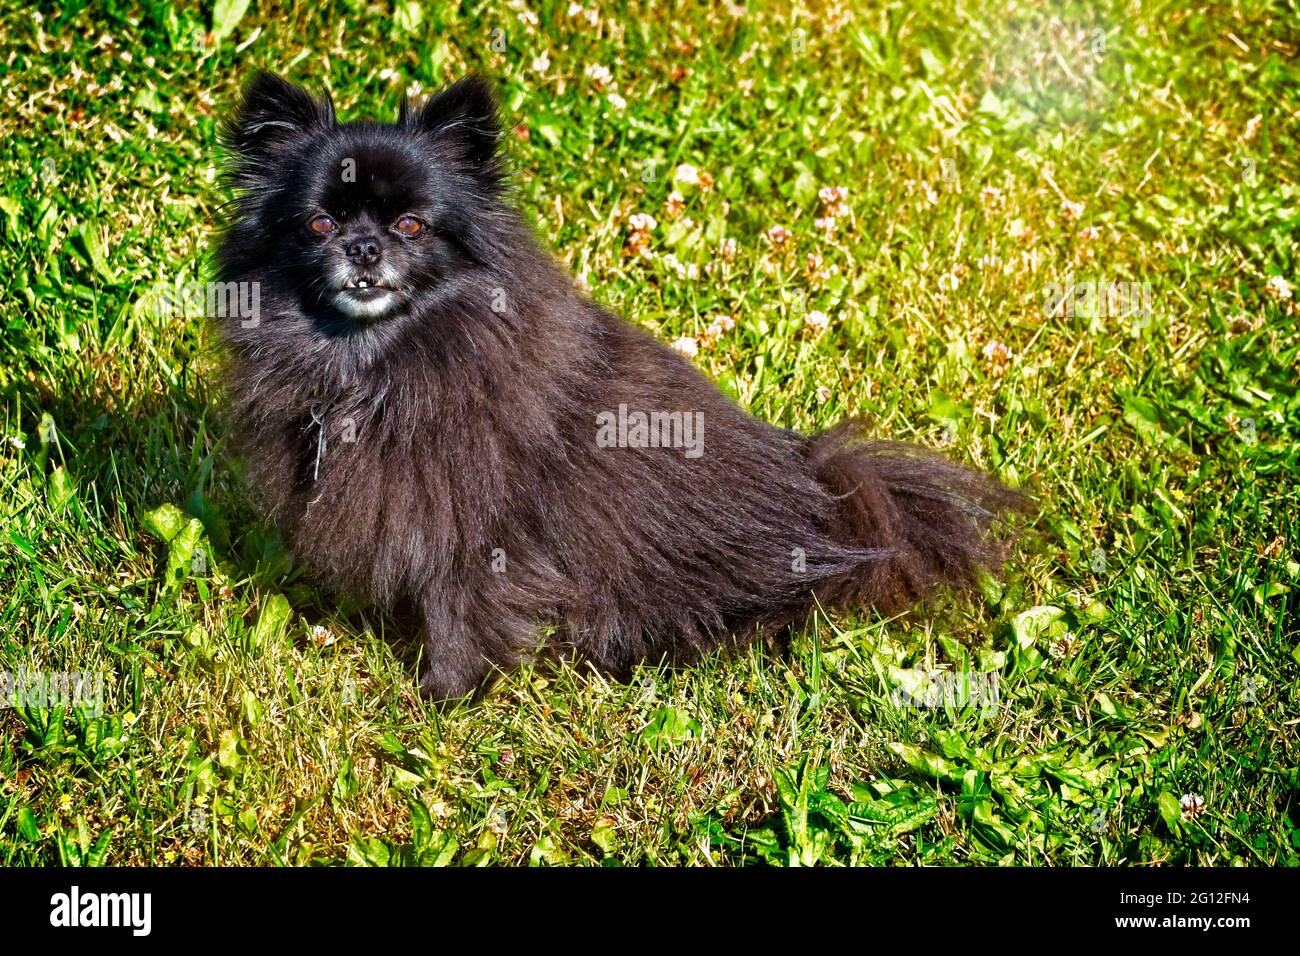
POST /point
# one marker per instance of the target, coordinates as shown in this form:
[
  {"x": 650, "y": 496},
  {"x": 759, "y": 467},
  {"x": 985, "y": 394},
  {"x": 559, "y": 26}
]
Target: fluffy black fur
[{"x": 443, "y": 450}]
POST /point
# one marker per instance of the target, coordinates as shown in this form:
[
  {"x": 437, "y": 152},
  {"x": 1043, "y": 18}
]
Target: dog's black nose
[{"x": 364, "y": 250}]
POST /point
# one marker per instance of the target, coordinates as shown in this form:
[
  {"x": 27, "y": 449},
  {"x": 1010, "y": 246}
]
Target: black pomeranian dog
[{"x": 434, "y": 415}]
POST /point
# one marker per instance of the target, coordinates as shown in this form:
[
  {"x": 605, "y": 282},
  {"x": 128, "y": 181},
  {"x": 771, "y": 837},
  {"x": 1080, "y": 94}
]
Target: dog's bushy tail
[{"x": 931, "y": 516}]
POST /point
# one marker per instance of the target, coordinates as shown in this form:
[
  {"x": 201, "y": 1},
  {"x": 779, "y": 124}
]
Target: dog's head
[{"x": 364, "y": 218}]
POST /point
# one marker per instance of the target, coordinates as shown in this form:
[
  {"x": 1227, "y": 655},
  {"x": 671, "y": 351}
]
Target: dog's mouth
[
  {"x": 367, "y": 297},
  {"x": 366, "y": 287}
]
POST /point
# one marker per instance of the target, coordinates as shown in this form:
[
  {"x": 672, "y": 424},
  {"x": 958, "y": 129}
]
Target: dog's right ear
[{"x": 274, "y": 116}]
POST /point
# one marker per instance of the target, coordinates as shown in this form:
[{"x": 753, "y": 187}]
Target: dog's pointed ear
[
  {"x": 274, "y": 116},
  {"x": 465, "y": 113}
]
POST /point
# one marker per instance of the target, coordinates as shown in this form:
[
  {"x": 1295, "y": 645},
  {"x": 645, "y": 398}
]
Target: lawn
[{"x": 1058, "y": 240}]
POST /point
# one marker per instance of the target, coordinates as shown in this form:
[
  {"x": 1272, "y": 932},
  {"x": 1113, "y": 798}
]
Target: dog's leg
[{"x": 456, "y": 659}]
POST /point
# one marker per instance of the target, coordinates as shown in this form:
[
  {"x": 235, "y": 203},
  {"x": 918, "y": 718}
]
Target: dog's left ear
[{"x": 464, "y": 113}]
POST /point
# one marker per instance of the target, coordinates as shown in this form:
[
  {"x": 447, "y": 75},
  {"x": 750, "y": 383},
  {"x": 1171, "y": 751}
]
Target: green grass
[{"x": 1163, "y": 451}]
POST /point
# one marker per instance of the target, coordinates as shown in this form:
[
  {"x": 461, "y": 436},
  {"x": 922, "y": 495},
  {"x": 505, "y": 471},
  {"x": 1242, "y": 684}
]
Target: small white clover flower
[
  {"x": 687, "y": 175},
  {"x": 779, "y": 237},
  {"x": 817, "y": 321},
  {"x": 1278, "y": 289},
  {"x": 1193, "y": 805},
  {"x": 687, "y": 346},
  {"x": 832, "y": 200},
  {"x": 672, "y": 262},
  {"x": 722, "y": 324},
  {"x": 997, "y": 357}
]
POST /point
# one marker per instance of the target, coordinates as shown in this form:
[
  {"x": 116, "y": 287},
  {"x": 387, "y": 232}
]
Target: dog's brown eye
[
  {"x": 409, "y": 226},
  {"x": 322, "y": 225}
]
